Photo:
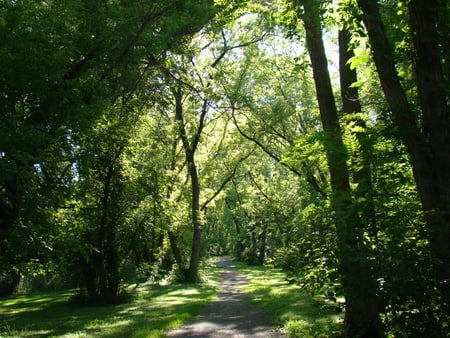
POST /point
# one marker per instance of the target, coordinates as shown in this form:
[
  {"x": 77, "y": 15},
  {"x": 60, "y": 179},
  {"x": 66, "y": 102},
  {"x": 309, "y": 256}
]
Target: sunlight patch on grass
[
  {"x": 107, "y": 324},
  {"x": 153, "y": 310},
  {"x": 186, "y": 292},
  {"x": 300, "y": 314},
  {"x": 11, "y": 306}
]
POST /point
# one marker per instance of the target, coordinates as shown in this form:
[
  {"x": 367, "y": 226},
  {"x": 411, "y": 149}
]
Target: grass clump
[
  {"x": 297, "y": 313},
  {"x": 304, "y": 329},
  {"x": 151, "y": 311}
]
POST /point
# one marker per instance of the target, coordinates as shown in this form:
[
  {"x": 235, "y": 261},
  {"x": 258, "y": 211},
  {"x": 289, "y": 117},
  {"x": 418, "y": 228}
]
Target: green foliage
[
  {"x": 308, "y": 148},
  {"x": 309, "y": 257},
  {"x": 75, "y": 73},
  {"x": 301, "y": 328}
]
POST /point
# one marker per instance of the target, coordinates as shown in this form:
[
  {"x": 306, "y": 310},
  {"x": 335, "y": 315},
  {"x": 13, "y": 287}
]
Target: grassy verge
[
  {"x": 298, "y": 313},
  {"x": 153, "y": 310}
]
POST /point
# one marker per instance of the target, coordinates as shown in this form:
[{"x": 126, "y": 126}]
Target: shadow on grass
[
  {"x": 269, "y": 288},
  {"x": 153, "y": 310}
]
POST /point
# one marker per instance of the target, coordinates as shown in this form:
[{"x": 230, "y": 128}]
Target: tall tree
[
  {"x": 360, "y": 288},
  {"x": 190, "y": 149},
  {"x": 424, "y": 128},
  {"x": 101, "y": 186},
  {"x": 201, "y": 129}
]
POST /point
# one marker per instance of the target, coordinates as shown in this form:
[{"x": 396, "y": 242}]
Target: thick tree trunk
[
  {"x": 433, "y": 92},
  {"x": 428, "y": 147},
  {"x": 360, "y": 289}
]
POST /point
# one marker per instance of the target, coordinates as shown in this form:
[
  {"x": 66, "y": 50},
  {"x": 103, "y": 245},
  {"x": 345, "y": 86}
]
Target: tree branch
[
  {"x": 226, "y": 49},
  {"x": 225, "y": 182},
  {"x": 310, "y": 178}
]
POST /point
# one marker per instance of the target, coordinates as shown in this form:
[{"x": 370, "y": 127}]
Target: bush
[{"x": 303, "y": 329}]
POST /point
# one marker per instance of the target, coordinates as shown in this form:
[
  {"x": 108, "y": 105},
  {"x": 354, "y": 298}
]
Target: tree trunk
[
  {"x": 428, "y": 148},
  {"x": 194, "y": 263},
  {"x": 191, "y": 275},
  {"x": 176, "y": 252},
  {"x": 262, "y": 245},
  {"x": 433, "y": 92},
  {"x": 360, "y": 289},
  {"x": 101, "y": 269},
  {"x": 251, "y": 258}
]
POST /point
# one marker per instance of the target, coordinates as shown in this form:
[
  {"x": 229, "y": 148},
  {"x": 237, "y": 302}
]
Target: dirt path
[{"x": 228, "y": 315}]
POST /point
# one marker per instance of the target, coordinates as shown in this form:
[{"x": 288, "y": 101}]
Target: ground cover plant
[
  {"x": 151, "y": 310},
  {"x": 297, "y": 312}
]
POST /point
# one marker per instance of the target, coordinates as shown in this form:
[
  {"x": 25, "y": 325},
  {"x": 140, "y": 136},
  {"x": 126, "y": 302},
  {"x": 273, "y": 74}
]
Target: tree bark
[{"x": 360, "y": 289}]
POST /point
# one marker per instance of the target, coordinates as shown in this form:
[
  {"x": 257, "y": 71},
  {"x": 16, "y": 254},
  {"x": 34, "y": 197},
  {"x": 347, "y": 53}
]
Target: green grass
[
  {"x": 153, "y": 310},
  {"x": 157, "y": 308},
  {"x": 298, "y": 313}
]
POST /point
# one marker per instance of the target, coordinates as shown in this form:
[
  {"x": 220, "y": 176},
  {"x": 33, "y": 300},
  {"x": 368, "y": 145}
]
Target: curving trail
[{"x": 228, "y": 315}]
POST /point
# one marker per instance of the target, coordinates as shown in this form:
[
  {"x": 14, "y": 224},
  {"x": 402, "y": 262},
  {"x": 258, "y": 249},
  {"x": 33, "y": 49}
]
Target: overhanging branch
[{"x": 309, "y": 178}]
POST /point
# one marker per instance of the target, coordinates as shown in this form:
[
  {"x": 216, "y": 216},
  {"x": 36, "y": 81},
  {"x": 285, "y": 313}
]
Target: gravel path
[{"x": 228, "y": 315}]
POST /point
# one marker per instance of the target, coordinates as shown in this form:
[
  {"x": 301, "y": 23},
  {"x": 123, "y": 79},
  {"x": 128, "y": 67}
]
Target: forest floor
[{"x": 229, "y": 315}]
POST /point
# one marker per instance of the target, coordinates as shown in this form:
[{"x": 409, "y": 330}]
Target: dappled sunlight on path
[{"x": 229, "y": 315}]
